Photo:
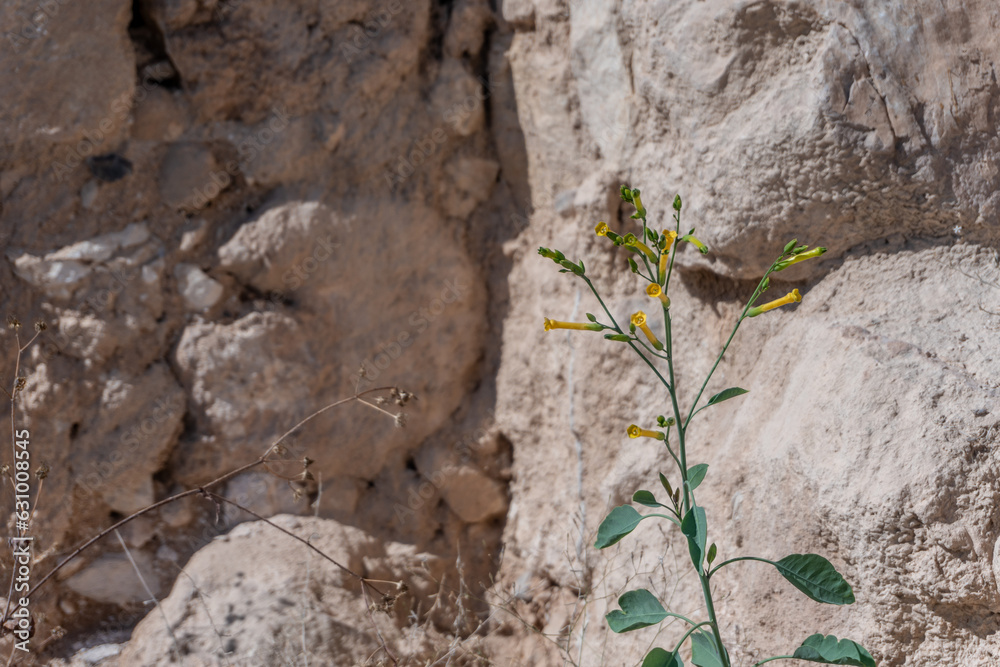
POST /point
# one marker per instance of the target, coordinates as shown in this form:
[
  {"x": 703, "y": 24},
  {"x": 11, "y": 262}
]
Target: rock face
[
  {"x": 224, "y": 210},
  {"x": 262, "y": 218},
  {"x": 260, "y": 596},
  {"x": 872, "y": 414}
]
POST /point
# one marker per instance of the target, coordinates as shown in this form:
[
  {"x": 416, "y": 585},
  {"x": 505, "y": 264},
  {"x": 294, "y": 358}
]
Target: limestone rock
[
  {"x": 200, "y": 291},
  {"x": 112, "y": 579},
  {"x": 130, "y": 437},
  {"x": 242, "y": 579},
  {"x": 67, "y": 69},
  {"x": 190, "y": 178}
]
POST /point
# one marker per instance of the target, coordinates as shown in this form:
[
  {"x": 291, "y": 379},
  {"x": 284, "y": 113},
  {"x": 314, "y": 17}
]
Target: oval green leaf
[
  {"x": 639, "y": 609},
  {"x": 620, "y": 522},
  {"x": 696, "y": 474},
  {"x": 695, "y": 528},
  {"x": 661, "y": 658},
  {"x": 645, "y": 498},
  {"x": 666, "y": 485},
  {"x": 704, "y": 652},
  {"x": 831, "y": 651},
  {"x": 816, "y": 577},
  {"x": 726, "y": 394}
]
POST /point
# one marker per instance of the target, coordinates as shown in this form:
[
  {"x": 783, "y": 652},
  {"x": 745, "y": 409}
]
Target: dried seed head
[
  {"x": 20, "y": 383},
  {"x": 400, "y": 420},
  {"x": 41, "y": 326},
  {"x": 306, "y": 461},
  {"x": 13, "y": 323},
  {"x": 42, "y": 471},
  {"x": 280, "y": 450},
  {"x": 402, "y": 397}
]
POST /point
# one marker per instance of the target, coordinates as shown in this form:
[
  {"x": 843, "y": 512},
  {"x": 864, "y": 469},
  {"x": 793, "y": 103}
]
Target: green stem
[
  {"x": 671, "y": 387},
  {"x": 711, "y": 372},
  {"x": 683, "y": 618},
  {"x": 619, "y": 330},
  {"x": 650, "y": 349},
  {"x": 756, "y": 293},
  {"x": 671, "y": 451},
  {"x": 666, "y": 516},
  {"x": 688, "y": 634},
  {"x": 601, "y": 301},
  {"x": 650, "y": 364},
  {"x": 673, "y": 252},
  {"x": 734, "y": 560},
  {"x": 777, "y": 657},
  {"x": 710, "y": 606}
]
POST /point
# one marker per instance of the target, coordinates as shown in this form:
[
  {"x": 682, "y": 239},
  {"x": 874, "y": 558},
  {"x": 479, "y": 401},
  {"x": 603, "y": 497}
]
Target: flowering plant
[{"x": 651, "y": 257}]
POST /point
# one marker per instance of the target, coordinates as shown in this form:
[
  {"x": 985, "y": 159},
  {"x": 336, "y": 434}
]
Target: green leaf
[
  {"x": 831, "y": 651},
  {"x": 590, "y": 316},
  {"x": 639, "y": 609},
  {"x": 816, "y": 577},
  {"x": 789, "y": 246},
  {"x": 726, "y": 394},
  {"x": 660, "y": 658},
  {"x": 666, "y": 485},
  {"x": 695, "y": 527},
  {"x": 620, "y": 522},
  {"x": 765, "y": 285},
  {"x": 696, "y": 474},
  {"x": 712, "y": 550},
  {"x": 704, "y": 652},
  {"x": 646, "y": 498},
  {"x": 632, "y": 265}
]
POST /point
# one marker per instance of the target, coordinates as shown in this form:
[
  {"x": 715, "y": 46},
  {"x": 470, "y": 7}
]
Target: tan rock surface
[{"x": 287, "y": 192}]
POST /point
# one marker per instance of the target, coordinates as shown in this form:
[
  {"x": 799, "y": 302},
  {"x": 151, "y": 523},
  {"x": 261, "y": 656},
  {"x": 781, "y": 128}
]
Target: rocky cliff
[{"x": 224, "y": 209}]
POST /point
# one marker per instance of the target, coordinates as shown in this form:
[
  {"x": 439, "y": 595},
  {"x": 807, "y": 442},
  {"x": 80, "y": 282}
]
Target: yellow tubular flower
[
  {"x": 655, "y": 292},
  {"x": 801, "y": 257},
  {"x": 640, "y": 210},
  {"x": 665, "y": 243},
  {"x": 639, "y": 320},
  {"x": 791, "y": 297},
  {"x": 696, "y": 242},
  {"x": 636, "y": 432},
  {"x": 583, "y": 326},
  {"x": 632, "y": 242},
  {"x": 601, "y": 229}
]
